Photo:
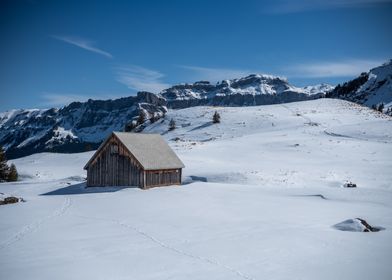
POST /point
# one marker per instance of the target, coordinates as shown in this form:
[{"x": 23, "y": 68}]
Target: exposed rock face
[
  {"x": 9, "y": 200},
  {"x": 77, "y": 127},
  {"x": 369, "y": 89},
  {"x": 350, "y": 185},
  {"x": 251, "y": 90}
]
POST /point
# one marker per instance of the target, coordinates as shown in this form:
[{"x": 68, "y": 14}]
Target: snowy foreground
[{"x": 261, "y": 195}]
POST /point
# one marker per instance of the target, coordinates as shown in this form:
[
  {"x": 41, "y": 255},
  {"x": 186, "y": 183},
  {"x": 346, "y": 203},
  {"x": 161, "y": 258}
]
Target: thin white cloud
[
  {"x": 141, "y": 79},
  {"x": 62, "y": 99},
  {"x": 84, "y": 44},
  {"x": 297, "y": 6},
  {"x": 215, "y": 74},
  {"x": 346, "y": 68}
]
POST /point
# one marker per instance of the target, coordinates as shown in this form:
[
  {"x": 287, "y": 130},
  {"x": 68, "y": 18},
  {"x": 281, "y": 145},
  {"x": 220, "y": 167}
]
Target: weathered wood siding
[
  {"x": 114, "y": 166},
  {"x": 156, "y": 178}
]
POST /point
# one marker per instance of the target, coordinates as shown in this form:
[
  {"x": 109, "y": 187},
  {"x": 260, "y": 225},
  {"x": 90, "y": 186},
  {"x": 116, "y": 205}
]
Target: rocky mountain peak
[{"x": 254, "y": 89}]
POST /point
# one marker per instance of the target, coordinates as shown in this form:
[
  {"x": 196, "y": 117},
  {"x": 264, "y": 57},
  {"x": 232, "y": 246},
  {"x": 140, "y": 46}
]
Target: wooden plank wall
[
  {"x": 156, "y": 178},
  {"x": 114, "y": 169}
]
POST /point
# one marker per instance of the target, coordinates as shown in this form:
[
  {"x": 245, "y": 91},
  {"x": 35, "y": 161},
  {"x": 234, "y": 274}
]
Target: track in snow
[
  {"x": 354, "y": 137},
  {"x": 37, "y": 224},
  {"x": 172, "y": 248},
  {"x": 181, "y": 252}
]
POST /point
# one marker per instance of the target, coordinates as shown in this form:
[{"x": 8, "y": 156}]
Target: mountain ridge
[
  {"x": 79, "y": 126},
  {"x": 254, "y": 89},
  {"x": 82, "y": 126},
  {"x": 370, "y": 89}
]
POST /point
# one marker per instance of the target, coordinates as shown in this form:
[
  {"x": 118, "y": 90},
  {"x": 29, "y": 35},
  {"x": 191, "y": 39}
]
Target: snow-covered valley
[{"x": 261, "y": 195}]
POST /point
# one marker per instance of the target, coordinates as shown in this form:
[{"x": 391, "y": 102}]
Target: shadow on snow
[
  {"x": 207, "y": 124},
  {"x": 80, "y": 188}
]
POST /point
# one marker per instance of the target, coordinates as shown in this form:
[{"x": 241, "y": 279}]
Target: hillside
[
  {"x": 279, "y": 135},
  {"x": 370, "y": 89},
  {"x": 261, "y": 195}
]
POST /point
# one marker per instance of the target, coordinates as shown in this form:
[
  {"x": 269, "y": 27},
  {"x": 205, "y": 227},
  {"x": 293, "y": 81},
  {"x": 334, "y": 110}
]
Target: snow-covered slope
[
  {"x": 307, "y": 129},
  {"x": 372, "y": 88},
  {"x": 318, "y": 89},
  {"x": 261, "y": 199},
  {"x": 254, "y": 89}
]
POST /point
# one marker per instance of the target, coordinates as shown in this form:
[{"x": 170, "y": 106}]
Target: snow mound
[{"x": 356, "y": 225}]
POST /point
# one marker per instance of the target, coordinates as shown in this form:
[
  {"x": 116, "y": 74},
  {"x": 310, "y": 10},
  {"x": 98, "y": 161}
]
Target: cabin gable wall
[{"x": 114, "y": 166}]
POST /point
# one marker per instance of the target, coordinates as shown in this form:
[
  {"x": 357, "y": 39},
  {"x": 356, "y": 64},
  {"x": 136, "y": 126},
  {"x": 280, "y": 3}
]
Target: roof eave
[
  {"x": 98, "y": 150},
  {"x": 164, "y": 168}
]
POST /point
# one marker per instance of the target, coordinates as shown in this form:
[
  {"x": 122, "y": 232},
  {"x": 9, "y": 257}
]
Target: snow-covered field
[{"x": 262, "y": 192}]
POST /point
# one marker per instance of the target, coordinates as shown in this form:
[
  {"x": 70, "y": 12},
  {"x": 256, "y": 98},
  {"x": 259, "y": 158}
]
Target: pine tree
[
  {"x": 4, "y": 169},
  {"x": 172, "y": 125},
  {"x": 141, "y": 119},
  {"x": 13, "y": 174},
  {"x": 380, "y": 107},
  {"x": 216, "y": 117}
]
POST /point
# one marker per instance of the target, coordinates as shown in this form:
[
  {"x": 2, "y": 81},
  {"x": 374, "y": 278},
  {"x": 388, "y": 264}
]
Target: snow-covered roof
[{"x": 151, "y": 150}]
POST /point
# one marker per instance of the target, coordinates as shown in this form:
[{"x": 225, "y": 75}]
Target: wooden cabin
[{"x": 134, "y": 159}]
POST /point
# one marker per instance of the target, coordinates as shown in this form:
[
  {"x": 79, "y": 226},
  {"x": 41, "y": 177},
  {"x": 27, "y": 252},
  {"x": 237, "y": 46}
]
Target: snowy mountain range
[
  {"x": 81, "y": 126},
  {"x": 76, "y": 127},
  {"x": 254, "y": 89},
  {"x": 370, "y": 89}
]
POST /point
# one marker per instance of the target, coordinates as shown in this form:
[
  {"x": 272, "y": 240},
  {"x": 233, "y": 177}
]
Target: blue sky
[{"x": 55, "y": 52}]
